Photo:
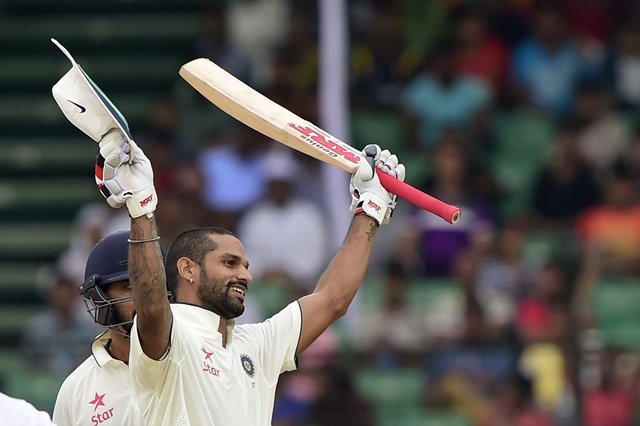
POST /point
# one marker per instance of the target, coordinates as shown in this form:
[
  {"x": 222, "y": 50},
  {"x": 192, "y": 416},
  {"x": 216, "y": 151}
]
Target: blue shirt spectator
[
  {"x": 442, "y": 99},
  {"x": 549, "y": 66}
]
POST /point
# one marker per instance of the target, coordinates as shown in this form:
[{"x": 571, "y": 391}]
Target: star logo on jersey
[
  {"x": 98, "y": 400},
  {"x": 207, "y": 354},
  {"x": 206, "y": 363}
]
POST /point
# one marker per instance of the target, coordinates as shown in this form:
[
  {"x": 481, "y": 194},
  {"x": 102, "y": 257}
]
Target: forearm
[
  {"x": 148, "y": 283},
  {"x": 343, "y": 276}
]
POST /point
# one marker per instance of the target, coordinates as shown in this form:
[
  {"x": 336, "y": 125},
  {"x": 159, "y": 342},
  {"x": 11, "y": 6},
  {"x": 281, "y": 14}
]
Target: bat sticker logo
[{"x": 324, "y": 142}]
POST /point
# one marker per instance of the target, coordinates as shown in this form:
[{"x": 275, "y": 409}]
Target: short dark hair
[{"x": 193, "y": 244}]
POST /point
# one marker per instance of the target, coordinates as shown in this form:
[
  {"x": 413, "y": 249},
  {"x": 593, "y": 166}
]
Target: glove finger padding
[
  {"x": 367, "y": 194},
  {"x": 124, "y": 176},
  {"x": 113, "y": 200}
]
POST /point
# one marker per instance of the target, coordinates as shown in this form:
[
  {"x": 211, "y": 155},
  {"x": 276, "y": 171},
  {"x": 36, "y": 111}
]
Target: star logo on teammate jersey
[
  {"x": 97, "y": 401},
  {"x": 207, "y": 354}
]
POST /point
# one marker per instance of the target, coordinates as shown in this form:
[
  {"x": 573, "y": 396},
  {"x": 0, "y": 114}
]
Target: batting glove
[
  {"x": 124, "y": 175},
  {"x": 368, "y": 196}
]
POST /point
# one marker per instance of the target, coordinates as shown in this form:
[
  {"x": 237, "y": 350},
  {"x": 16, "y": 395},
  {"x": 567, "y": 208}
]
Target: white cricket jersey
[
  {"x": 98, "y": 392},
  {"x": 14, "y": 411},
  {"x": 199, "y": 382}
]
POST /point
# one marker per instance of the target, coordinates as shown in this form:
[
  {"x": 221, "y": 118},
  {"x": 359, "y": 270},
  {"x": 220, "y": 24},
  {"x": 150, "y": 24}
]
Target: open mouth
[{"x": 239, "y": 290}]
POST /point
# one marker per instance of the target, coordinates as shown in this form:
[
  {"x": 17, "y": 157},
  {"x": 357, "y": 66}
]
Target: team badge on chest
[{"x": 247, "y": 365}]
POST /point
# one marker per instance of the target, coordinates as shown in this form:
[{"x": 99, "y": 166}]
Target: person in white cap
[
  {"x": 299, "y": 224},
  {"x": 14, "y": 411},
  {"x": 190, "y": 364}
]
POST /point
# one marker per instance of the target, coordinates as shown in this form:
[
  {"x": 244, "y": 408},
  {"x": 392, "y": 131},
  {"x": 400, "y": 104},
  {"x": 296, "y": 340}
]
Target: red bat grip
[{"x": 418, "y": 198}]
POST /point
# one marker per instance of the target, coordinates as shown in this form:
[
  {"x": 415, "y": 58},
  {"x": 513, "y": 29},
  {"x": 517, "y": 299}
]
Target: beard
[{"x": 215, "y": 295}]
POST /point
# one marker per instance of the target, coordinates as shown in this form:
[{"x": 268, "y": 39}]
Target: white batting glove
[
  {"x": 124, "y": 176},
  {"x": 368, "y": 196}
]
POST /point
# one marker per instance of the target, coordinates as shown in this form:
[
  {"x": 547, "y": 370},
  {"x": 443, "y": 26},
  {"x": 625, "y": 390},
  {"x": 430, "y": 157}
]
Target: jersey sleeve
[
  {"x": 147, "y": 372},
  {"x": 278, "y": 339}
]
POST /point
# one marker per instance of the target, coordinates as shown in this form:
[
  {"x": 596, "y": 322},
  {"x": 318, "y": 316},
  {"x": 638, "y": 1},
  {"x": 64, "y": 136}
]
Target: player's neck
[
  {"x": 222, "y": 328},
  {"x": 118, "y": 347}
]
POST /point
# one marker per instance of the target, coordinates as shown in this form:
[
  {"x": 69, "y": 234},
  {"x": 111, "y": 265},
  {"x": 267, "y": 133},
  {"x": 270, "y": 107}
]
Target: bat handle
[{"x": 418, "y": 198}]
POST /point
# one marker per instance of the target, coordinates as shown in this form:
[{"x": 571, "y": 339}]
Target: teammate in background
[
  {"x": 100, "y": 388},
  {"x": 15, "y": 411},
  {"x": 190, "y": 364}
]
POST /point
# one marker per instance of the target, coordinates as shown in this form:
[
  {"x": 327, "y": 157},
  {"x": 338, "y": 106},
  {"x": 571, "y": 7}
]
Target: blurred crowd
[{"x": 515, "y": 340}]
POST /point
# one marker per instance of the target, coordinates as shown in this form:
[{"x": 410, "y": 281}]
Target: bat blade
[{"x": 273, "y": 120}]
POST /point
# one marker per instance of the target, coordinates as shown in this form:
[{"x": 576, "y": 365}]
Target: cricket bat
[{"x": 278, "y": 123}]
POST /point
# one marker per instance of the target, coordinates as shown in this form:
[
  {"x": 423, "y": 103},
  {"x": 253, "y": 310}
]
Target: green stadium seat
[
  {"x": 387, "y": 129},
  {"x": 270, "y": 296},
  {"x": 38, "y": 387},
  {"x": 522, "y": 142},
  {"x": 383, "y": 128},
  {"x": 35, "y": 241},
  {"x": 53, "y": 199},
  {"x": 424, "y": 293},
  {"x": 18, "y": 281},
  {"x": 391, "y": 393},
  {"x": 12, "y": 321},
  {"x": 617, "y": 306},
  {"x": 24, "y": 110},
  {"x": 98, "y": 6},
  {"x": 49, "y": 156},
  {"x": 391, "y": 386},
  {"x": 103, "y": 32},
  {"x": 37, "y": 75}
]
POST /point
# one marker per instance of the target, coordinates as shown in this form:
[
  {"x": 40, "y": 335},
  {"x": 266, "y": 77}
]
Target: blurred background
[{"x": 524, "y": 113}]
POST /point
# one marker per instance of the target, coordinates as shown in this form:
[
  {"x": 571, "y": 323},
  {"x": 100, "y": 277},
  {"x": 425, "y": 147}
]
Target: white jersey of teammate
[
  {"x": 98, "y": 392},
  {"x": 200, "y": 382},
  {"x": 14, "y": 411}
]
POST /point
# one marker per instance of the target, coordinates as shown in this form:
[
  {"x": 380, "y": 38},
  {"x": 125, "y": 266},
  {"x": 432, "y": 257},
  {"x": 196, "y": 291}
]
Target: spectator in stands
[
  {"x": 257, "y": 27},
  {"x": 381, "y": 62},
  {"x": 439, "y": 98},
  {"x": 198, "y": 119},
  {"x": 542, "y": 315},
  {"x": 516, "y": 406},
  {"x": 214, "y": 43},
  {"x": 614, "y": 226},
  {"x": 598, "y": 122},
  {"x": 299, "y": 224},
  {"x": 233, "y": 174},
  {"x": 321, "y": 392},
  {"x": 566, "y": 186},
  {"x": 505, "y": 275},
  {"x": 452, "y": 180},
  {"x": 614, "y": 399},
  {"x": 56, "y": 339},
  {"x": 624, "y": 66},
  {"x": 395, "y": 331},
  {"x": 547, "y": 67},
  {"x": 91, "y": 223},
  {"x": 481, "y": 54}
]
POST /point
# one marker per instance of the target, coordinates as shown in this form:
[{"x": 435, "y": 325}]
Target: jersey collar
[
  {"x": 99, "y": 351},
  {"x": 201, "y": 320}
]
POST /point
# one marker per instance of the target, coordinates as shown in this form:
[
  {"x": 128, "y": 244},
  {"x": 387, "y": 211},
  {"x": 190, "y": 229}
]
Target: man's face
[
  {"x": 224, "y": 278},
  {"x": 125, "y": 311}
]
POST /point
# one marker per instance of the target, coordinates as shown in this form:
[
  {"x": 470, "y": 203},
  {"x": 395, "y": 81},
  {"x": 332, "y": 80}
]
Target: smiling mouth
[{"x": 239, "y": 290}]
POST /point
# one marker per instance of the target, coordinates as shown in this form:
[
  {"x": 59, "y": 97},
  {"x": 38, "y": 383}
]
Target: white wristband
[
  {"x": 142, "y": 202},
  {"x": 373, "y": 206}
]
